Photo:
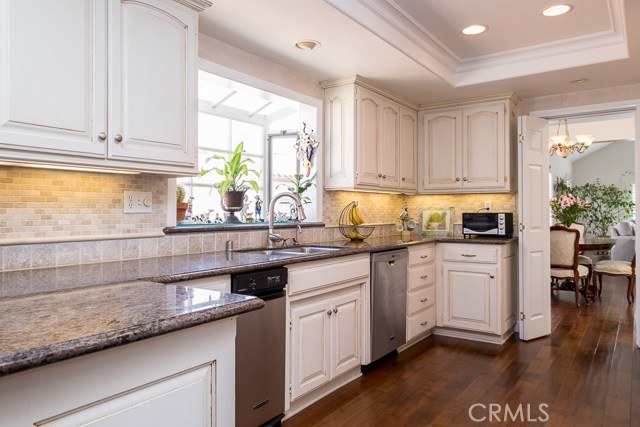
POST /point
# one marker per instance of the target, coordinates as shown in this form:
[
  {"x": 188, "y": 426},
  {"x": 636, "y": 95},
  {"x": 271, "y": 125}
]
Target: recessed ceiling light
[
  {"x": 472, "y": 30},
  {"x": 307, "y": 44},
  {"x": 578, "y": 81},
  {"x": 557, "y": 10}
]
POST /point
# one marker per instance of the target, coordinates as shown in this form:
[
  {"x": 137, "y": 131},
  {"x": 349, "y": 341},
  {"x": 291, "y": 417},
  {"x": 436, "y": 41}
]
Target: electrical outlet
[
  {"x": 137, "y": 202},
  {"x": 487, "y": 205}
]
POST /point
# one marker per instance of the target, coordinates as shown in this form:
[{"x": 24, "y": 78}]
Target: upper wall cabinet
[
  {"x": 468, "y": 149},
  {"x": 108, "y": 84},
  {"x": 370, "y": 139}
]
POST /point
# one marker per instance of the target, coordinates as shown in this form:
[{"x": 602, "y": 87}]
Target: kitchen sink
[{"x": 293, "y": 250}]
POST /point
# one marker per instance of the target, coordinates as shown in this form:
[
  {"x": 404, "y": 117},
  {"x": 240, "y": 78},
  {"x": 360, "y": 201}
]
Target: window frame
[{"x": 314, "y": 121}]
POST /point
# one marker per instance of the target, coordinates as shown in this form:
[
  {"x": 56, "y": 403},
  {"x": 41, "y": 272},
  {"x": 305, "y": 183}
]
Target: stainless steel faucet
[{"x": 273, "y": 238}]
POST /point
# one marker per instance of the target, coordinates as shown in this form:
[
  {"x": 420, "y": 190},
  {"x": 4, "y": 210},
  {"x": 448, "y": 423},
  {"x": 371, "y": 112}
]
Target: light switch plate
[
  {"x": 137, "y": 202},
  {"x": 487, "y": 205}
]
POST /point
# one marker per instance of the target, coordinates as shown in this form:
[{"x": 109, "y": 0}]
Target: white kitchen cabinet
[
  {"x": 468, "y": 149},
  {"x": 327, "y": 317},
  {"x": 421, "y": 292},
  {"x": 183, "y": 378},
  {"x": 408, "y": 150},
  {"x": 325, "y": 340},
  {"x": 476, "y": 290},
  {"x": 370, "y": 138},
  {"x": 107, "y": 84}
]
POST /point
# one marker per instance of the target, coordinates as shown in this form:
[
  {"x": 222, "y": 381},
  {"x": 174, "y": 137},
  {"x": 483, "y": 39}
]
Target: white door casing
[{"x": 533, "y": 237}]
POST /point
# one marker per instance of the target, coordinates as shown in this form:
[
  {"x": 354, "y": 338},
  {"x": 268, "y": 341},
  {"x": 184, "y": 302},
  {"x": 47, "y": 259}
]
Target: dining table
[{"x": 591, "y": 244}]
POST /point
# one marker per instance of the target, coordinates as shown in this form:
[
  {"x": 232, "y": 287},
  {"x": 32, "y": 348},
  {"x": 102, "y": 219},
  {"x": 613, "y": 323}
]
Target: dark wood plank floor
[{"x": 587, "y": 373}]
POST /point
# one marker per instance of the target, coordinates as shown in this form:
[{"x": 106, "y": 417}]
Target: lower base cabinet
[
  {"x": 324, "y": 340},
  {"x": 185, "y": 378},
  {"x": 328, "y": 319},
  {"x": 476, "y": 288}
]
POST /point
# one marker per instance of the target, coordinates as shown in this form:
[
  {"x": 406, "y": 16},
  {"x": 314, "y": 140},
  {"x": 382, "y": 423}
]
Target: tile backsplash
[
  {"x": 51, "y": 218},
  {"x": 44, "y": 204}
]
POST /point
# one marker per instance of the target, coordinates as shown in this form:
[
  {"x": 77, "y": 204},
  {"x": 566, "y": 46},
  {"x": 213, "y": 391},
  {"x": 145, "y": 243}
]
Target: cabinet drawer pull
[
  {"x": 424, "y": 277},
  {"x": 469, "y": 255},
  {"x": 424, "y": 323},
  {"x": 424, "y": 256},
  {"x": 424, "y": 300}
]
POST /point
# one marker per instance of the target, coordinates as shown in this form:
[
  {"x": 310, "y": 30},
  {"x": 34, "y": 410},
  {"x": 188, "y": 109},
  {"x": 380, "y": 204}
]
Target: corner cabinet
[
  {"x": 327, "y": 338},
  {"x": 476, "y": 287},
  {"x": 370, "y": 139},
  {"x": 468, "y": 149},
  {"x": 106, "y": 84}
]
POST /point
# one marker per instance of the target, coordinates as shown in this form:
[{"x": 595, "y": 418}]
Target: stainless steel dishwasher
[
  {"x": 260, "y": 349},
  {"x": 388, "y": 301}
]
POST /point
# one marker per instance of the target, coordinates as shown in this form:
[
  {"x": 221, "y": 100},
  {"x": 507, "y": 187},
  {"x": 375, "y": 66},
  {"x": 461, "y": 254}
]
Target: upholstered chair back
[{"x": 564, "y": 246}]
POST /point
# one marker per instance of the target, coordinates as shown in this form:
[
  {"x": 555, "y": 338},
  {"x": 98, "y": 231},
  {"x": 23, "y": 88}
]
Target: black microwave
[{"x": 494, "y": 224}]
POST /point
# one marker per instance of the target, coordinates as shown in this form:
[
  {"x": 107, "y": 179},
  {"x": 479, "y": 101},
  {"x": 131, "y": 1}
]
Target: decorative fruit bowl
[{"x": 350, "y": 223}]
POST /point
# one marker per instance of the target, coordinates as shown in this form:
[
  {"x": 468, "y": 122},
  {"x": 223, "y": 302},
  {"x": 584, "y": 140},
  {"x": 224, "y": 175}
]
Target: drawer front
[
  {"x": 421, "y": 299},
  {"x": 421, "y": 323},
  {"x": 421, "y": 276},
  {"x": 422, "y": 255},
  {"x": 470, "y": 253}
]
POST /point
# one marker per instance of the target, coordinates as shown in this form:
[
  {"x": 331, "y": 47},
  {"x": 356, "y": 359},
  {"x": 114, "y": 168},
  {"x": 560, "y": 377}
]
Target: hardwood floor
[{"x": 587, "y": 373}]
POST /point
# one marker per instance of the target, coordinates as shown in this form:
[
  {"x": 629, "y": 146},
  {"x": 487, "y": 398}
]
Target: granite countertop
[
  {"x": 47, "y": 327},
  {"x": 54, "y": 314}
]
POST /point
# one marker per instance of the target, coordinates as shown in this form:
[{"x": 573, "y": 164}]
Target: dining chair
[
  {"x": 583, "y": 259},
  {"x": 616, "y": 268},
  {"x": 564, "y": 259}
]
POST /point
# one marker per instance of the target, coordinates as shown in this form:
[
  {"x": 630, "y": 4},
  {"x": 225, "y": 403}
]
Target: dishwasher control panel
[{"x": 259, "y": 282}]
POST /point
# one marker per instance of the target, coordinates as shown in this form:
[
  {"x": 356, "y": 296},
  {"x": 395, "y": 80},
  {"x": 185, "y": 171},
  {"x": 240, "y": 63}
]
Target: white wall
[
  {"x": 607, "y": 164},
  {"x": 560, "y": 168}
]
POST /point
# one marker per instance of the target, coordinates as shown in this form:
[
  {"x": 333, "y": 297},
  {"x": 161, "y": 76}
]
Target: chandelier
[{"x": 564, "y": 145}]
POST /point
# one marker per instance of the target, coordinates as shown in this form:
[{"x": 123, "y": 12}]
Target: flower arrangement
[{"x": 567, "y": 208}]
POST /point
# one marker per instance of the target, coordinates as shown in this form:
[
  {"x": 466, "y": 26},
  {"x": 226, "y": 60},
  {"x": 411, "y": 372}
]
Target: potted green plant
[
  {"x": 181, "y": 205},
  {"x": 235, "y": 182},
  {"x": 299, "y": 185}
]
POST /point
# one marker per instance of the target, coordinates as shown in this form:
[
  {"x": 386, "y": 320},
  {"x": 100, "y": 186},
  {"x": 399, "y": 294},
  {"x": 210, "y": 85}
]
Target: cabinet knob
[
  {"x": 379, "y": 175},
  {"x": 424, "y": 323},
  {"x": 102, "y": 136},
  {"x": 424, "y": 300},
  {"x": 384, "y": 176},
  {"x": 328, "y": 312},
  {"x": 457, "y": 178},
  {"x": 464, "y": 179},
  {"x": 118, "y": 138},
  {"x": 335, "y": 310},
  {"x": 492, "y": 276},
  {"x": 404, "y": 179}
]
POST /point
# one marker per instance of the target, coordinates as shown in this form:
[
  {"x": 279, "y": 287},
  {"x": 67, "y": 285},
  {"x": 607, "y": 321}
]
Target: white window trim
[{"x": 229, "y": 73}]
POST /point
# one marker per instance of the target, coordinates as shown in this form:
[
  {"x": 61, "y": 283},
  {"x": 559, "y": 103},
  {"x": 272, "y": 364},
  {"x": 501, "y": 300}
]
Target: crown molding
[
  {"x": 499, "y": 97},
  {"x": 390, "y": 23},
  {"x": 371, "y": 85},
  {"x": 197, "y": 5}
]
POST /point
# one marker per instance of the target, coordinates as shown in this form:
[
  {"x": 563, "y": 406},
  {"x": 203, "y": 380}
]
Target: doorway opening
[{"x": 539, "y": 198}]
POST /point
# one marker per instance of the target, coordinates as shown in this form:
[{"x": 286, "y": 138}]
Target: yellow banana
[{"x": 356, "y": 216}]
